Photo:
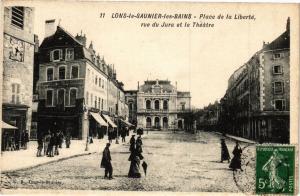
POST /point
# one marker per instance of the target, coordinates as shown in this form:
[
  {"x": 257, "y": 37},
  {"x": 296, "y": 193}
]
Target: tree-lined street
[{"x": 176, "y": 162}]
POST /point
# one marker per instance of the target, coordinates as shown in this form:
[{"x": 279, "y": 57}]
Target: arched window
[
  {"x": 165, "y": 105},
  {"x": 73, "y": 96},
  {"x": 156, "y": 104},
  {"x": 130, "y": 106},
  {"x": 148, "y": 104},
  {"x": 62, "y": 72},
  {"x": 148, "y": 122},
  {"x": 165, "y": 122},
  {"x": 61, "y": 98},
  {"x": 157, "y": 122}
]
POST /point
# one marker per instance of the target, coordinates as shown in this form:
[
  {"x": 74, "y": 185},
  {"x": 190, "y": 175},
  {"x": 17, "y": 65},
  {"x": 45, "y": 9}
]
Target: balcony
[{"x": 160, "y": 111}]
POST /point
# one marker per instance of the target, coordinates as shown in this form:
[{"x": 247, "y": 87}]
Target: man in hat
[{"x": 106, "y": 162}]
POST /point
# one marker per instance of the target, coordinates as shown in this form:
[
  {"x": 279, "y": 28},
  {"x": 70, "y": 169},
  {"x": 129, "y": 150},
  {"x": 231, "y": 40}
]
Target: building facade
[
  {"x": 18, "y": 57},
  {"x": 74, "y": 85},
  {"x": 256, "y": 103},
  {"x": 159, "y": 105},
  {"x": 131, "y": 100}
]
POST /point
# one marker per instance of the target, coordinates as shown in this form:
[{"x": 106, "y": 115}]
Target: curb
[
  {"x": 235, "y": 139},
  {"x": 48, "y": 162}
]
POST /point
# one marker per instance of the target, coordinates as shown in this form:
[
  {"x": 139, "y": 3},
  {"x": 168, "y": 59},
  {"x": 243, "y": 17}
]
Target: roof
[
  {"x": 164, "y": 84},
  {"x": 281, "y": 42}
]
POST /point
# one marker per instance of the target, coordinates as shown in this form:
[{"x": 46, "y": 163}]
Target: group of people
[
  {"x": 134, "y": 158},
  {"x": 235, "y": 162},
  {"x": 15, "y": 141},
  {"x": 51, "y": 142}
]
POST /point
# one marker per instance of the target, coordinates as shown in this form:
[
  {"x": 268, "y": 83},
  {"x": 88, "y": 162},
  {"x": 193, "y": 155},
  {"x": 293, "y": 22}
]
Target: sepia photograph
[{"x": 149, "y": 96}]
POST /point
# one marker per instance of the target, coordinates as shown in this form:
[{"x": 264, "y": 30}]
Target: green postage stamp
[{"x": 275, "y": 169}]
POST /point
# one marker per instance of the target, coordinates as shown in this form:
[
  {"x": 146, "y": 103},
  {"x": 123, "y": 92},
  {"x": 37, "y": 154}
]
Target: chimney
[
  {"x": 288, "y": 24},
  {"x": 81, "y": 38},
  {"x": 50, "y": 27}
]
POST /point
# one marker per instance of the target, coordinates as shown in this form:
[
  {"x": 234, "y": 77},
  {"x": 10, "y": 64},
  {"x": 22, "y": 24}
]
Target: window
[
  {"x": 91, "y": 99},
  {"x": 73, "y": 96},
  {"x": 100, "y": 81},
  {"x": 130, "y": 106},
  {"x": 69, "y": 54},
  {"x": 62, "y": 72},
  {"x": 156, "y": 104},
  {"x": 148, "y": 104},
  {"x": 277, "y": 55},
  {"x": 165, "y": 105},
  {"x": 17, "y": 16},
  {"x": 102, "y": 104},
  {"x": 56, "y": 55},
  {"x": 148, "y": 122},
  {"x": 15, "y": 96},
  {"x": 279, "y": 104},
  {"x": 182, "y": 106},
  {"x": 277, "y": 69},
  {"x": 61, "y": 97},
  {"x": 75, "y": 72},
  {"x": 99, "y": 102},
  {"x": 49, "y": 74},
  {"x": 96, "y": 80},
  {"x": 87, "y": 98},
  {"x": 277, "y": 87},
  {"x": 95, "y": 101},
  {"x": 49, "y": 98}
]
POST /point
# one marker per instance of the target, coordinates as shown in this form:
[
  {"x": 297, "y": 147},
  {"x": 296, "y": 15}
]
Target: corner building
[{"x": 18, "y": 56}]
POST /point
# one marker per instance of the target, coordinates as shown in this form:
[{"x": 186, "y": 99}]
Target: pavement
[
  {"x": 178, "y": 161},
  {"x": 25, "y": 159}
]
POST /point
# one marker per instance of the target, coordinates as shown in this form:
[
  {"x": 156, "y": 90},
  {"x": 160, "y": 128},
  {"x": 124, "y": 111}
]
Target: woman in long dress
[
  {"x": 236, "y": 160},
  {"x": 134, "y": 170},
  {"x": 224, "y": 151}
]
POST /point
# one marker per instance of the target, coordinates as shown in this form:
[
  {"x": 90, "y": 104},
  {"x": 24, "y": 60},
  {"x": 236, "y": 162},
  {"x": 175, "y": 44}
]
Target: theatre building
[
  {"x": 72, "y": 85},
  {"x": 18, "y": 55},
  {"x": 160, "y": 105}
]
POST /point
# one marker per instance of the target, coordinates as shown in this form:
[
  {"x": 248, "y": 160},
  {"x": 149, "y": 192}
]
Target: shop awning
[
  {"x": 99, "y": 119},
  {"x": 127, "y": 123},
  {"x": 7, "y": 126},
  {"x": 109, "y": 121}
]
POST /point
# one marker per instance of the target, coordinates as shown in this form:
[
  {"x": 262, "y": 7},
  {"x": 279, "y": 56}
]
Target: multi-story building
[
  {"x": 131, "y": 100},
  {"x": 74, "y": 85},
  {"x": 257, "y": 98},
  {"x": 159, "y": 105},
  {"x": 18, "y": 56}
]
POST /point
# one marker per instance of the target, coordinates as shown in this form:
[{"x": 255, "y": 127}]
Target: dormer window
[
  {"x": 69, "y": 54},
  {"x": 56, "y": 55}
]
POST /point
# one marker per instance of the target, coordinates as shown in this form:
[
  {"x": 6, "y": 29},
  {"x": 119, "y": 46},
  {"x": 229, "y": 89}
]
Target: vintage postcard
[{"x": 143, "y": 97}]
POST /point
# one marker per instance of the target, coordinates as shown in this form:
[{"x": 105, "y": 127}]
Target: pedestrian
[
  {"x": 60, "y": 138},
  {"x": 236, "y": 160},
  {"x": 46, "y": 143},
  {"x": 127, "y": 131},
  {"x": 68, "y": 140},
  {"x": 139, "y": 144},
  {"x": 123, "y": 135},
  {"x": 224, "y": 151},
  {"x": 51, "y": 145},
  {"x": 26, "y": 139},
  {"x": 134, "y": 169},
  {"x": 56, "y": 143},
  {"x": 132, "y": 143},
  {"x": 106, "y": 162},
  {"x": 110, "y": 136},
  {"x": 40, "y": 147}
]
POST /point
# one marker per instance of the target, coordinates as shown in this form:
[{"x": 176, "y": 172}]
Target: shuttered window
[{"x": 17, "y": 16}]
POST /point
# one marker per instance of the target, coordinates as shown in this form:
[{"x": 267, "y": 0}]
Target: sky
[{"x": 201, "y": 60}]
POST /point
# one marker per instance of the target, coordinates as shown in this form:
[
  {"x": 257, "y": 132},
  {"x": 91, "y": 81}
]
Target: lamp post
[{"x": 86, "y": 112}]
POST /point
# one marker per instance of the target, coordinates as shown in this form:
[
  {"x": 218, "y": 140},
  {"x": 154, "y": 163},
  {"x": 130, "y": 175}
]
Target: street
[{"x": 176, "y": 162}]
